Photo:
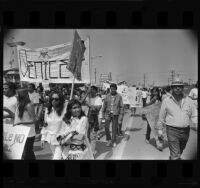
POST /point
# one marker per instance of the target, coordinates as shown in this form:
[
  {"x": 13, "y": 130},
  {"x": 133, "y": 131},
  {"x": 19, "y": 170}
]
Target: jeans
[
  {"x": 148, "y": 133},
  {"x": 93, "y": 125},
  {"x": 144, "y": 101},
  {"x": 119, "y": 128},
  {"x": 114, "y": 120},
  {"x": 92, "y": 130},
  {"x": 177, "y": 140},
  {"x": 28, "y": 153}
]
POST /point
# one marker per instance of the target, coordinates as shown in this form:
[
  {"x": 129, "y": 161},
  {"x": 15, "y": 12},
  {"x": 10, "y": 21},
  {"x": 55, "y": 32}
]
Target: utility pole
[
  {"x": 110, "y": 76},
  {"x": 172, "y": 75},
  {"x": 144, "y": 79},
  {"x": 95, "y": 74}
]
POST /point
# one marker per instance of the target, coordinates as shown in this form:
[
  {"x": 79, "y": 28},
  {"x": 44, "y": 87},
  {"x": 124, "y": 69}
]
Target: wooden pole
[
  {"x": 90, "y": 62},
  {"x": 72, "y": 89}
]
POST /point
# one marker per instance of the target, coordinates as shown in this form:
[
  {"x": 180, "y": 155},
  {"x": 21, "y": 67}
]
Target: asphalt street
[{"x": 131, "y": 146}]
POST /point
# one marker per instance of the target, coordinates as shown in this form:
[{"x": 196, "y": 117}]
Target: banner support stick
[{"x": 72, "y": 87}]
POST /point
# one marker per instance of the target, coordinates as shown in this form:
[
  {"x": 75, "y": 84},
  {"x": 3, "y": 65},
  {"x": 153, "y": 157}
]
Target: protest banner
[
  {"x": 152, "y": 114},
  {"x": 14, "y": 139},
  {"x": 132, "y": 96},
  {"x": 123, "y": 91},
  {"x": 135, "y": 97},
  {"x": 105, "y": 86},
  {"x": 139, "y": 102},
  {"x": 50, "y": 64}
]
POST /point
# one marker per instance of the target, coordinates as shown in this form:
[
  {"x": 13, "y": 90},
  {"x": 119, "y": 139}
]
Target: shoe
[
  {"x": 114, "y": 144},
  {"x": 94, "y": 152},
  {"x": 108, "y": 143},
  {"x": 120, "y": 134},
  {"x": 159, "y": 145},
  {"x": 147, "y": 141},
  {"x": 126, "y": 137}
]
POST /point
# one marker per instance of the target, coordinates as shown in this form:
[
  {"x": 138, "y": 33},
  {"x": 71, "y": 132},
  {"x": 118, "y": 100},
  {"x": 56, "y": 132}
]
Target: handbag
[{"x": 160, "y": 143}]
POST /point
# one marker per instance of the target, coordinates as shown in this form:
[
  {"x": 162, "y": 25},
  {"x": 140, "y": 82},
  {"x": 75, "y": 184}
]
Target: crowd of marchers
[{"x": 72, "y": 125}]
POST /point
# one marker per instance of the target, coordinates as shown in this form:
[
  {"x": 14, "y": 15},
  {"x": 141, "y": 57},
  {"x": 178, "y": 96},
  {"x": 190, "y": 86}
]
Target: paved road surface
[{"x": 133, "y": 148}]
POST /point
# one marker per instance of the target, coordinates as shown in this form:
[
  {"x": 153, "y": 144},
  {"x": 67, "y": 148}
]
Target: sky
[{"x": 127, "y": 54}]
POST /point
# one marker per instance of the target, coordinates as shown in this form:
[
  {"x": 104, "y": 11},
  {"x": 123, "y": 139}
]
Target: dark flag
[{"x": 76, "y": 56}]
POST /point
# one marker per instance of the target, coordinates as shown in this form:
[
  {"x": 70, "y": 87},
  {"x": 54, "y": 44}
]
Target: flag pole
[
  {"x": 90, "y": 62},
  {"x": 72, "y": 89}
]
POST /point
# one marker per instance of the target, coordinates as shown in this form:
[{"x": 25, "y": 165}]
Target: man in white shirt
[
  {"x": 9, "y": 102},
  {"x": 34, "y": 97},
  {"x": 94, "y": 103},
  {"x": 176, "y": 113}
]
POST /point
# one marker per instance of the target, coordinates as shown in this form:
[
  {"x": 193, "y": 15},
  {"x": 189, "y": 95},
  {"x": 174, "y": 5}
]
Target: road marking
[{"x": 120, "y": 148}]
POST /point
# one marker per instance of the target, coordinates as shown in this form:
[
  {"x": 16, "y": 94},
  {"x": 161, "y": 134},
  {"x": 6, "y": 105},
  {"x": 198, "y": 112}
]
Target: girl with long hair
[
  {"x": 25, "y": 115},
  {"x": 54, "y": 114},
  {"x": 154, "y": 98},
  {"x": 73, "y": 135}
]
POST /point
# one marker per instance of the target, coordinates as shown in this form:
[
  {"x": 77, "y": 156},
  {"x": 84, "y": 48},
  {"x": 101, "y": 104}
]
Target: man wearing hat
[{"x": 176, "y": 113}]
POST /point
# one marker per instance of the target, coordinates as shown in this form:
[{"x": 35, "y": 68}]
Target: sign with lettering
[
  {"x": 105, "y": 86},
  {"x": 123, "y": 91},
  {"x": 135, "y": 97},
  {"x": 50, "y": 64},
  {"x": 14, "y": 139},
  {"x": 152, "y": 114}
]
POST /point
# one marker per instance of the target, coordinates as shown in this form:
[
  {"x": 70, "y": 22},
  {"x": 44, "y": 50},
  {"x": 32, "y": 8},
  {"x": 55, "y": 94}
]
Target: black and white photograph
[{"x": 100, "y": 94}]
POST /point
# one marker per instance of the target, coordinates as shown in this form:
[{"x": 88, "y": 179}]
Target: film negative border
[
  {"x": 104, "y": 172},
  {"x": 100, "y": 15},
  {"x": 133, "y": 15}
]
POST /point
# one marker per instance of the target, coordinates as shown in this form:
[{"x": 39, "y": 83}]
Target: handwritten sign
[
  {"x": 135, "y": 97},
  {"x": 123, "y": 91},
  {"x": 152, "y": 114},
  {"x": 50, "y": 64},
  {"x": 14, "y": 139},
  {"x": 105, "y": 86}
]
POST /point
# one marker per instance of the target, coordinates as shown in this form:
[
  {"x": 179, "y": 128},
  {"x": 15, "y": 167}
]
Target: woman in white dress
[
  {"x": 73, "y": 135},
  {"x": 53, "y": 118}
]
